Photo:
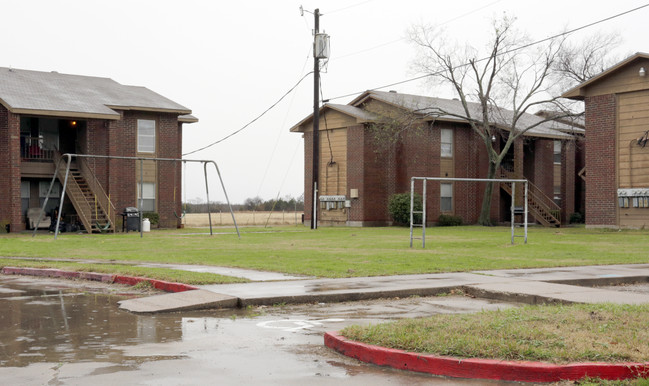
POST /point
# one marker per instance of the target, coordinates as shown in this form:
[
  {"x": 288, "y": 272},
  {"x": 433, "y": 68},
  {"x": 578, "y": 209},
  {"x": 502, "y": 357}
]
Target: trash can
[{"x": 131, "y": 219}]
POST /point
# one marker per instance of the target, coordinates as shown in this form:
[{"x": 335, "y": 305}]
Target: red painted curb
[
  {"x": 103, "y": 277},
  {"x": 166, "y": 286},
  {"x": 482, "y": 368}
]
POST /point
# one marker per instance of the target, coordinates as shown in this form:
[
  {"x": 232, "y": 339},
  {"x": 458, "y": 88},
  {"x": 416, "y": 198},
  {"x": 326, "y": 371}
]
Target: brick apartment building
[
  {"x": 617, "y": 155},
  {"x": 361, "y": 167},
  {"x": 45, "y": 114}
]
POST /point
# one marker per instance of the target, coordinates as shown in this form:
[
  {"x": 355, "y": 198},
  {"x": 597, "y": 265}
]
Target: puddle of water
[{"x": 59, "y": 325}]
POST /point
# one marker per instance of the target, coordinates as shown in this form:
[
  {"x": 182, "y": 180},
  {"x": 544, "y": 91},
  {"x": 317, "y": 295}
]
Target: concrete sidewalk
[{"x": 532, "y": 286}]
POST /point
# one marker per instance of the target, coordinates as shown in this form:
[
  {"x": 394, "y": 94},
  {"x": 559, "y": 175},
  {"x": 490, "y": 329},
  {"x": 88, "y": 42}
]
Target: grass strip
[
  {"x": 173, "y": 275},
  {"x": 346, "y": 252},
  {"x": 556, "y": 334}
]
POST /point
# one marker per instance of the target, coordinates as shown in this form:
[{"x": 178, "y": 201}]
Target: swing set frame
[{"x": 68, "y": 159}]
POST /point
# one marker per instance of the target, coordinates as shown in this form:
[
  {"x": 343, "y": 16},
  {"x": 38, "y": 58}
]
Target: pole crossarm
[
  {"x": 449, "y": 179},
  {"x": 70, "y": 156}
]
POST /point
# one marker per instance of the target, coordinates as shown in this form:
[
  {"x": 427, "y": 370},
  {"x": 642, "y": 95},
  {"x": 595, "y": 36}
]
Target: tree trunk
[{"x": 485, "y": 212}]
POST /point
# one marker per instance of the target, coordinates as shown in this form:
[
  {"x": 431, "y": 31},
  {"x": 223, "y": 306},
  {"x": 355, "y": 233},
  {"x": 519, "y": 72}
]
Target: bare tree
[
  {"x": 578, "y": 62},
  {"x": 497, "y": 88}
]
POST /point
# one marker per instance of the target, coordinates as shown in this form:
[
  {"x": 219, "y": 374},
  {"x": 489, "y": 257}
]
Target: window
[
  {"x": 447, "y": 143},
  {"x": 54, "y": 197},
  {"x": 148, "y": 196},
  {"x": 446, "y": 195},
  {"x": 145, "y": 136},
  {"x": 557, "y": 152},
  {"x": 24, "y": 196}
]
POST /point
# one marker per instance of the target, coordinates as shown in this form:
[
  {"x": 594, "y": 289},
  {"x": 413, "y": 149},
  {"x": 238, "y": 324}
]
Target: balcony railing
[{"x": 33, "y": 149}]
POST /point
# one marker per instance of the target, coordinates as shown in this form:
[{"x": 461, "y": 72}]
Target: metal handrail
[
  {"x": 103, "y": 200},
  {"x": 83, "y": 208},
  {"x": 538, "y": 197}
]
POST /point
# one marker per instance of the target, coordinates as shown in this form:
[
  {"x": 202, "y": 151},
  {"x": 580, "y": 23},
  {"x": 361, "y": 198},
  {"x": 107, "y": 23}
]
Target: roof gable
[
  {"x": 359, "y": 115},
  {"x": 622, "y": 77}
]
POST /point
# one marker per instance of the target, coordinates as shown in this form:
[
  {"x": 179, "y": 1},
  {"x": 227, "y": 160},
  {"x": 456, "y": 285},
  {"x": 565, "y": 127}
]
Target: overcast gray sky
[{"x": 230, "y": 61}]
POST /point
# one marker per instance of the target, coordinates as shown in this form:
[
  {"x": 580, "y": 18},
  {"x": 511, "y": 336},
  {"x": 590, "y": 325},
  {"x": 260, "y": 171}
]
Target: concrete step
[{"x": 179, "y": 301}]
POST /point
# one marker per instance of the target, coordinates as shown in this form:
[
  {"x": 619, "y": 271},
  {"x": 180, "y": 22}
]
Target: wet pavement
[{"x": 61, "y": 332}]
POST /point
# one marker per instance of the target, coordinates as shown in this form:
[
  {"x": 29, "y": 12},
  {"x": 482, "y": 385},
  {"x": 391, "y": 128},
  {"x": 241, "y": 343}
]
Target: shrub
[
  {"x": 153, "y": 217},
  {"x": 576, "y": 218},
  {"x": 4, "y": 226},
  {"x": 399, "y": 208},
  {"x": 447, "y": 220}
]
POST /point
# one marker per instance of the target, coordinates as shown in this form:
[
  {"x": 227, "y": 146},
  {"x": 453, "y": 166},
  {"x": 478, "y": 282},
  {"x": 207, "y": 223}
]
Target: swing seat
[{"x": 103, "y": 228}]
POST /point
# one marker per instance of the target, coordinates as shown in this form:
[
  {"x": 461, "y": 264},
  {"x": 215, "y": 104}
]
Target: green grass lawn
[
  {"x": 346, "y": 252},
  {"x": 558, "y": 334}
]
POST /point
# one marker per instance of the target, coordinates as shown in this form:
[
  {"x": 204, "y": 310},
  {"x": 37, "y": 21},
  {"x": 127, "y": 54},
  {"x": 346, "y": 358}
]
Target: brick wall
[
  {"x": 419, "y": 156},
  {"x": 601, "y": 178},
  {"x": 470, "y": 162},
  {"x": 94, "y": 140},
  {"x": 122, "y": 141},
  {"x": 568, "y": 176},
  {"x": 169, "y": 173},
  {"x": 10, "y": 171},
  {"x": 543, "y": 175},
  {"x": 378, "y": 180}
]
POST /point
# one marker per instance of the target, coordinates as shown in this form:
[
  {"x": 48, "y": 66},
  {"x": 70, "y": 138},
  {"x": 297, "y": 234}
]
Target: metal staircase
[
  {"x": 542, "y": 207},
  {"x": 93, "y": 207}
]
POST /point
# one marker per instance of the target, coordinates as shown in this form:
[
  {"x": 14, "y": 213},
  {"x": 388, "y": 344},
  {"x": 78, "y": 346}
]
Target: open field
[
  {"x": 345, "y": 252},
  {"x": 244, "y": 218}
]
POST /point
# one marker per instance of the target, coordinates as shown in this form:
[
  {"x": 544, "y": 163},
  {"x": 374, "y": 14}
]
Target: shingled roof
[
  {"x": 432, "y": 106},
  {"x": 55, "y": 94},
  {"x": 428, "y": 107}
]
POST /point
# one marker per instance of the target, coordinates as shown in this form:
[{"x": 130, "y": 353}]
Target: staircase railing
[
  {"x": 76, "y": 196},
  {"x": 543, "y": 207},
  {"x": 103, "y": 201}
]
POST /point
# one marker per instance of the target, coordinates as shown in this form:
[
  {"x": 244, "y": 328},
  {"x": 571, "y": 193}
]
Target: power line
[
  {"x": 502, "y": 53},
  {"x": 348, "y": 7},
  {"x": 254, "y": 120},
  {"x": 279, "y": 134},
  {"x": 402, "y": 39}
]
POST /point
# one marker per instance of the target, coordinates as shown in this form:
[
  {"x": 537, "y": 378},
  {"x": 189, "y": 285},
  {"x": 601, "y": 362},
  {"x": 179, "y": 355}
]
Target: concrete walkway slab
[
  {"x": 533, "y": 292},
  {"x": 179, "y": 301},
  {"x": 228, "y": 271},
  {"x": 356, "y": 288},
  {"x": 592, "y": 273}
]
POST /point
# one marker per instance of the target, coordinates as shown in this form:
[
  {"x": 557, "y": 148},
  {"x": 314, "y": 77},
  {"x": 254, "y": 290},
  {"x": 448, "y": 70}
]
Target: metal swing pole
[
  {"x": 513, "y": 208},
  {"x": 65, "y": 184},
  {"x": 141, "y": 204},
  {"x": 227, "y": 199},
  {"x": 47, "y": 197},
  {"x": 412, "y": 207}
]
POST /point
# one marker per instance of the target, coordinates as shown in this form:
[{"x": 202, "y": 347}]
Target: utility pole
[{"x": 316, "y": 123}]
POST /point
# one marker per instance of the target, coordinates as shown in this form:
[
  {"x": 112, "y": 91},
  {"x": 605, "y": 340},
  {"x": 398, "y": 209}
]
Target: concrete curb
[
  {"x": 482, "y": 368},
  {"x": 102, "y": 277}
]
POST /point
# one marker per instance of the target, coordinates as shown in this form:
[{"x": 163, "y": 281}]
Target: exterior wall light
[{"x": 642, "y": 72}]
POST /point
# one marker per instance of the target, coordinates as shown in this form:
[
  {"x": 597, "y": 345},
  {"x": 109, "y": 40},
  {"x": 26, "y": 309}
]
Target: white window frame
[
  {"x": 556, "y": 151},
  {"x": 148, "y": 195},
  {"x": 448, "y": 187},
  {"x": 446, "y": 143},
  {"x": 144, "y": 135}
]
